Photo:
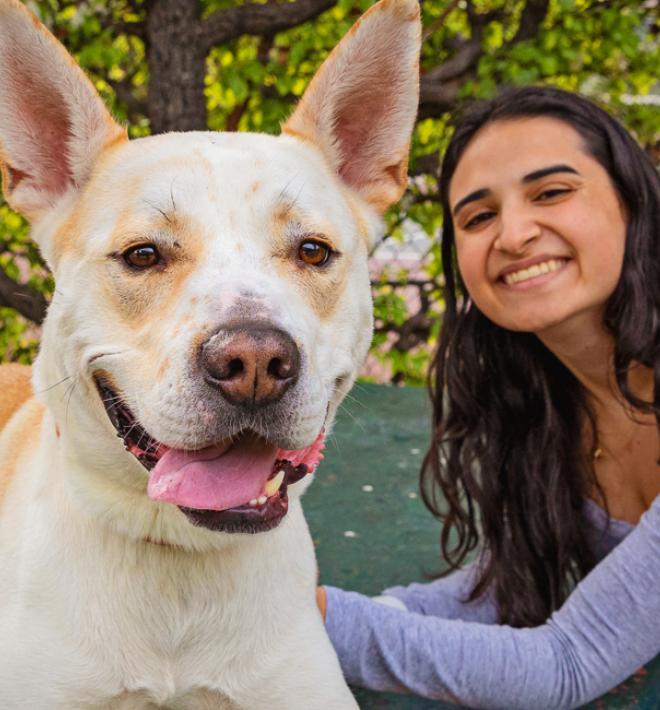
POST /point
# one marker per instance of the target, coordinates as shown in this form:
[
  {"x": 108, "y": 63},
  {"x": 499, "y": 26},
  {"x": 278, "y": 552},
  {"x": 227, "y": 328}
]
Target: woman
[{"x": 546, "y": 450}]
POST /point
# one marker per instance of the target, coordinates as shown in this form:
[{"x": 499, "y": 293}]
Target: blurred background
[{"x": 227, "y": 65}]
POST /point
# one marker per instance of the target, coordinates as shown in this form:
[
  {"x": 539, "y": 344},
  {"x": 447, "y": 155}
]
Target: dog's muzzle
[{"x": 238, "y": 484}]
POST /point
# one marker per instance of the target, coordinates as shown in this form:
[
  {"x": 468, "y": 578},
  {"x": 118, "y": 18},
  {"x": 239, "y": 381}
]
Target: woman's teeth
[{"x": 545, "y": 267}]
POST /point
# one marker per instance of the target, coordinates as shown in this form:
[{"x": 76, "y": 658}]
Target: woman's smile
[{"x": 533, "y": 272}]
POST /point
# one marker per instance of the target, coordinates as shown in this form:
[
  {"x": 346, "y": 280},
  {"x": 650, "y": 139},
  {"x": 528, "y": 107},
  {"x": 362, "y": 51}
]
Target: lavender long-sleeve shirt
[{"x": 432, "y": 644}]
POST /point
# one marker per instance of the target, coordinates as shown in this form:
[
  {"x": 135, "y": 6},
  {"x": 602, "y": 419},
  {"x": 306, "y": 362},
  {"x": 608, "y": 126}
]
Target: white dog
[{"x": 212, "y": 309}]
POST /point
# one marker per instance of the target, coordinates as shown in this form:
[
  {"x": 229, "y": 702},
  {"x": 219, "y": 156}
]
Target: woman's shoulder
[
  {"x": 605, "y": 532},
  {"x": 651, "y": 519}
]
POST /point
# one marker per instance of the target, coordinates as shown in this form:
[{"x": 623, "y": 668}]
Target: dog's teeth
[
  {"x": 253, "y": 502},
  {"x": 274, "y": 484},
  {"x": 261, "y": 500}
]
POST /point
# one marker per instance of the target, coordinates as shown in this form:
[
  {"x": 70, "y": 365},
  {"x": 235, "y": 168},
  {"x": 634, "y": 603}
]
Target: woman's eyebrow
[
  {"x": 538, "y": 174},
  {"x": 476, "y": 195}
]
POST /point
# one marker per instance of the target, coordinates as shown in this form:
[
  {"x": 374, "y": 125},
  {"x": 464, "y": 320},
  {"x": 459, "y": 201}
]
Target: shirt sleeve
[
  {"x": 447, "y": 598},
  {"x": 607, "y": 629}
]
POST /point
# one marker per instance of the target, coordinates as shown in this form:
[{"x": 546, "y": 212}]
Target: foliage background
[{"x": 251, "y": 61}]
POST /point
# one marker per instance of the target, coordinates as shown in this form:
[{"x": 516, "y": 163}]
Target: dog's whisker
[
  {"x": 285, "y": 200},
  {"x": 108, "y": 354},
  {"x": 67, "y": 397},
  {"x": 352, "y": 398},
  {"x": 350, "y": 414},
  {"x": 172, "y": 194},
  {"x": 57, "y": 384},
  {"x": 139, "y": 441},
  {"x": 158, "y": 209},
  {"x": 112, "y": 399}
]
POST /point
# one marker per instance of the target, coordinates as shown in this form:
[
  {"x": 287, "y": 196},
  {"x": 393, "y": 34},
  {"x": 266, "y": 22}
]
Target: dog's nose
[{"x": 251, "y": 365}]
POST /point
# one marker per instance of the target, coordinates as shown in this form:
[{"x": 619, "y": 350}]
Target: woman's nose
[{"x": 518, "y": 230}]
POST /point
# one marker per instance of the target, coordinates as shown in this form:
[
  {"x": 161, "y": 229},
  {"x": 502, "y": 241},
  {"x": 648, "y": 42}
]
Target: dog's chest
[{"x": 139, "y": 628}]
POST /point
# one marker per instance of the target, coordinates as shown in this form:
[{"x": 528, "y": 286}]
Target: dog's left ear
[
  {"x": 53, "y": 124},
  {"x": 361, "y": 105}
]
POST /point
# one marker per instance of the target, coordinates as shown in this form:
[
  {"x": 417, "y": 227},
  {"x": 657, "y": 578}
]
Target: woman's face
[{"x": 540, "y": 230}]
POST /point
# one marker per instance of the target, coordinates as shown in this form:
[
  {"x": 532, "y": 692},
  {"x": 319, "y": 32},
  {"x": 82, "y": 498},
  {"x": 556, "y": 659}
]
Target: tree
[{"x": 233, "y": 65}]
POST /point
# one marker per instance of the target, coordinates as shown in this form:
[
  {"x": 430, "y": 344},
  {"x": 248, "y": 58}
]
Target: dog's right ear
[
  {"x": 360, "y": 107},
  {"x": 53, "y": 123}
]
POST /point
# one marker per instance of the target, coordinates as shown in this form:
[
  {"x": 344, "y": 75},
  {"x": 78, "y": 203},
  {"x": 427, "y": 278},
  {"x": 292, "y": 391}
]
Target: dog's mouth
[{"x": 238, "y": 485}]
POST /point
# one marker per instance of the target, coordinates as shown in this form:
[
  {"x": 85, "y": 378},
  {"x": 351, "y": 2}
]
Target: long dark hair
[{"x": 508, "y": 468}]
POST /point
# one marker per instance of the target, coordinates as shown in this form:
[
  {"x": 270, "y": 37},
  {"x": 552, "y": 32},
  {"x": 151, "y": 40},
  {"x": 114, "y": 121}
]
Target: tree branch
[
  {"x": 439, "y": 21},
  {"x": 532, "y": 16},
  {"x": 235, "y": 115},
  {"x": 28, "y": 302},
  {"x": 440, "y": 86},
  {"x": 124, "y": 92},
  {"x": 225, "y": 25},
  {"x": 464, "y": 58},
  {"x": 426, "y": 164},
  {"x": 116, "y": 26}
]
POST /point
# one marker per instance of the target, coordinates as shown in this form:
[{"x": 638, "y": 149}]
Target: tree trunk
[{"x": 177, "y": 67}]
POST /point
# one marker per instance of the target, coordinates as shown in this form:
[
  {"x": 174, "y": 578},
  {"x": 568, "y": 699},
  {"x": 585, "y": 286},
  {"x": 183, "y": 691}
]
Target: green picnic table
[{"x": 371, "y": 529}]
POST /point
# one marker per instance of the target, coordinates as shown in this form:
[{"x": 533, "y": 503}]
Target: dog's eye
[
  {"x": 314, "y": 253},
  {"x": 142, "y": 256}
]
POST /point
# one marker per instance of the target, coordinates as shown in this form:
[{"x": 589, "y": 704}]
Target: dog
[{"x": 212, "y": 309}]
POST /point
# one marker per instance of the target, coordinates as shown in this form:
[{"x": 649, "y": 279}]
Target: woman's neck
[{"x": 585, "y": 348}]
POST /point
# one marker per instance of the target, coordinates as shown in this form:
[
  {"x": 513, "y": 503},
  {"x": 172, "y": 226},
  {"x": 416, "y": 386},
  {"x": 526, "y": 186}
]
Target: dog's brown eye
[
  {"x": 142, "y": 256},
  {"x": 314, "y": 253}
]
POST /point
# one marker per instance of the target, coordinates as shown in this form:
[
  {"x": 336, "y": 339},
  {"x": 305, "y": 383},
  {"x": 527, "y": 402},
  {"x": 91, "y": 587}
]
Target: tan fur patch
[
  {"x": 114, "y": 142},
  {"x": 356, "y": 212},
  {"x": 322, "y": 287},
  {"x": 323, "y": 293},
  {"x": 300, "y": 135},
  {"x": 4, "y": 174},
  {"x": 152, "y": 293},
  {"x": 21, "y": 432},
  {"x": 164, "y": 366},
  {"x": 16, "y": 388},
  {"x": 66, "y": 240}
]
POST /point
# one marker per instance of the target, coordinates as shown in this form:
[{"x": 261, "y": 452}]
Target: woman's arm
[
  {"x": 608, "y": 628},
  {"x": 447, "y": 598}
]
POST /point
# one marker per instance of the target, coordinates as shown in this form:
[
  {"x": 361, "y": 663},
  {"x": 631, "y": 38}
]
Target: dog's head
[{"x": 212, "y": 304}]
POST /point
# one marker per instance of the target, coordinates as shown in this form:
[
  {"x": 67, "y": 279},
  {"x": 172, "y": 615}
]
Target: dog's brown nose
[{"x": 251, "y": 365}]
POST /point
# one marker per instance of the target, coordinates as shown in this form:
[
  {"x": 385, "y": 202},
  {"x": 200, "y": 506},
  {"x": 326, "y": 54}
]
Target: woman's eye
[
  {"x": 314, "y": 253},
  {"x": 478, "y": 219},
  {"x": 550, "y": 194},
  {"x": 142, "y": 256}
]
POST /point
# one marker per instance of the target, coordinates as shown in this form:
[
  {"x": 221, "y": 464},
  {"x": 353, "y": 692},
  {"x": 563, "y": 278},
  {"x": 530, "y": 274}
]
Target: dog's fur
[{"x": 107, "y": 598}]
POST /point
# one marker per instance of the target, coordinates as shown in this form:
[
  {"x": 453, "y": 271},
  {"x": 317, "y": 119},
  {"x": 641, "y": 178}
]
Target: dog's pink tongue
[{"x": 215, "y": 478}]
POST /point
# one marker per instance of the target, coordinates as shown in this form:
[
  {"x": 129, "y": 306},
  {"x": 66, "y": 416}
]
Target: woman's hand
[{"x": 321, "y": 601}]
